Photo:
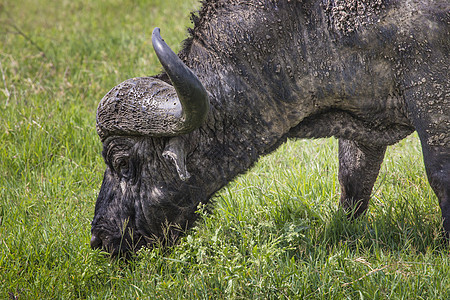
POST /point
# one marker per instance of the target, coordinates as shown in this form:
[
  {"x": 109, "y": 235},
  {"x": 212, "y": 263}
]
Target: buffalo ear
[{"x": 175, "y": 152}]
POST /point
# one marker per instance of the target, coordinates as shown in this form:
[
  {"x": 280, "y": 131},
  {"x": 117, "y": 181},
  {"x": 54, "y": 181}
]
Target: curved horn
[
  {"x": 151, "y": 107},
  {"x": 190, "y": 91}
]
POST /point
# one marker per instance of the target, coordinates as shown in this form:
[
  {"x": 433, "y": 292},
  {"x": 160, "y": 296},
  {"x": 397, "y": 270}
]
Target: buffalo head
[{"x": 147, "y": 195}]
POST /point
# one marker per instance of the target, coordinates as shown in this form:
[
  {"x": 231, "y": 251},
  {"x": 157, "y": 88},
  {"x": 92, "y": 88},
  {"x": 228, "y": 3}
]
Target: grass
[{"x": 274, "y": 233}]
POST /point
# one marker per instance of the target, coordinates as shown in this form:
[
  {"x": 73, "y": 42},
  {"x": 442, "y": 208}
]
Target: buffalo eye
[
  {"x": 122, "y": 166},
  {"x": 117, "y": 154}
]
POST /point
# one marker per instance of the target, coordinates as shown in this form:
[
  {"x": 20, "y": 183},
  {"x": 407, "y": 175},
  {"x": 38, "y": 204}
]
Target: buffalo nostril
[{"x": 96, "y": 242}]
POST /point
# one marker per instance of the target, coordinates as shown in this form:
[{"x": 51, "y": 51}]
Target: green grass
[{"x": 274, "y": 233}]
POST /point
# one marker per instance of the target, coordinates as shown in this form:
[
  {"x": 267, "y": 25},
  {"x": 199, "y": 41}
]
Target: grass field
[{"x": 275, "y": 233}]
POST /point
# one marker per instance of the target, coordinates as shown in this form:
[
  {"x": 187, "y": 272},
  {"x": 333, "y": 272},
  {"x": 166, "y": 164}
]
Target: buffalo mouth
[
  {"x": 123, "y": 245},
  {"x": 132, "y": 240}
]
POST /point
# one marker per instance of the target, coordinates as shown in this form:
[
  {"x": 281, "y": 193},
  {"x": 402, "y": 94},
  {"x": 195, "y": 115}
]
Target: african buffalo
[{"x": 254, "y": 73}]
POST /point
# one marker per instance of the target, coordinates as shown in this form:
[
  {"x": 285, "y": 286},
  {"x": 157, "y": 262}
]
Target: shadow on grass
[{"x": 396, "y": 227}]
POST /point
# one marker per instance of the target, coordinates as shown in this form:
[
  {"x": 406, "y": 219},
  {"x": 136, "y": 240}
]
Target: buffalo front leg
[{"x": 358, "y": 169}]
